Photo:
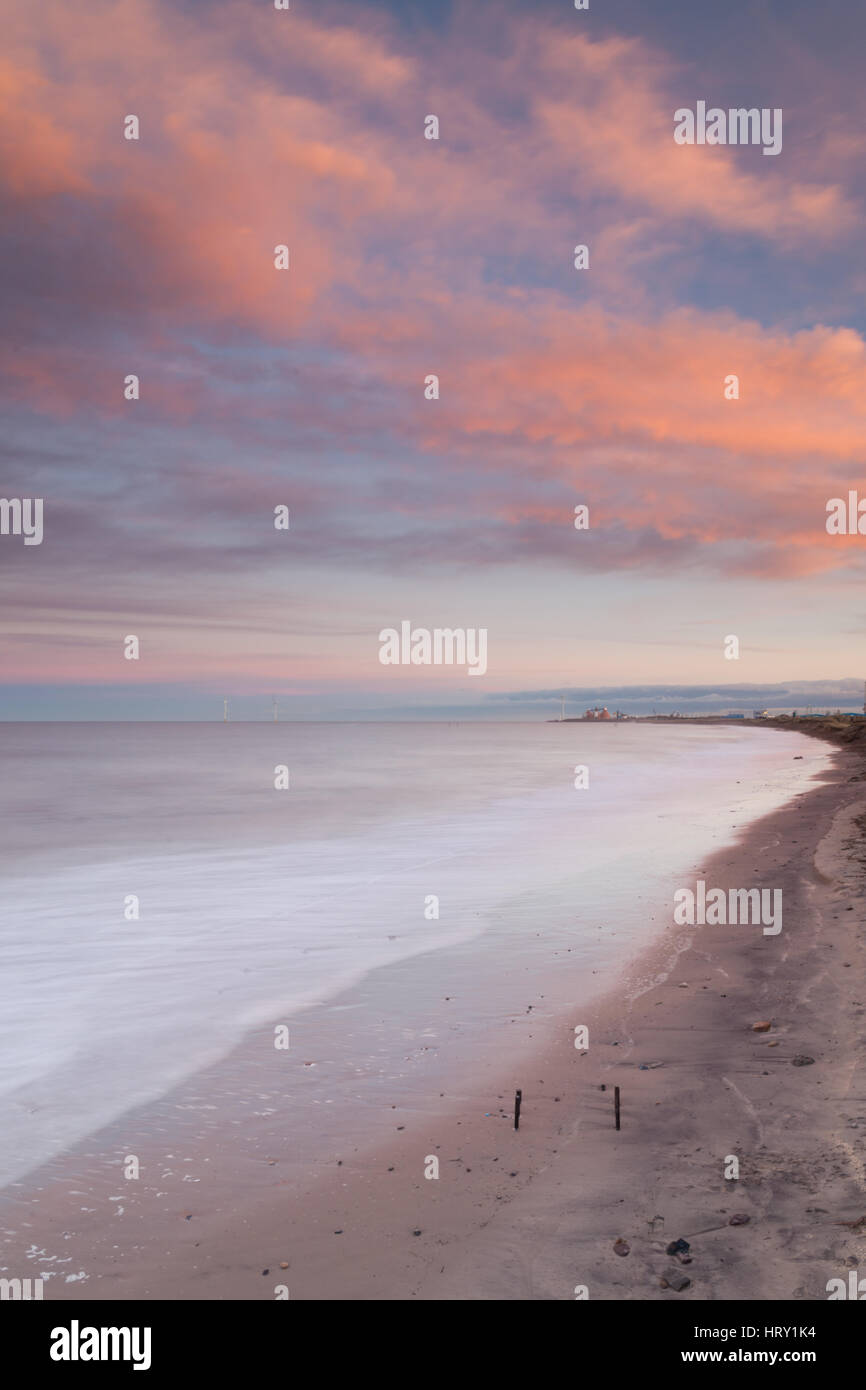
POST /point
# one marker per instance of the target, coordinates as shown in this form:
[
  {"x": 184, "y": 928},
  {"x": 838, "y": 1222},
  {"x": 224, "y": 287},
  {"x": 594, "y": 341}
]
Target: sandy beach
[
  {"x": 534, "y": 1214},
  {"x": 230, "y": 1205}
]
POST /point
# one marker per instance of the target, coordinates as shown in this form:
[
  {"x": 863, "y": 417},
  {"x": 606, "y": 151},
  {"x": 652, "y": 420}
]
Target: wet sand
[{"x": 228, "y": 1196}]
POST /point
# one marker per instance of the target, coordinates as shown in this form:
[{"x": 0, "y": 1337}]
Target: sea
[{"x": 168, "y": 887}]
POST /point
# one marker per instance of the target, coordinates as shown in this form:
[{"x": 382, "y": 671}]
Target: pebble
[{"x": 677, "y": 1247}]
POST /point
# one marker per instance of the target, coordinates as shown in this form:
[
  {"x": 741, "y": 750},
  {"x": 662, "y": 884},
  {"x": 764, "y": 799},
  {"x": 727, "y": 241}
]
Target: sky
[{"x": 304, "y": 387}]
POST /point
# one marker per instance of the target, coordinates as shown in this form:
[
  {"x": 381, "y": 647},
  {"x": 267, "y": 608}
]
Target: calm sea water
[{"x": 255, "y": 903}]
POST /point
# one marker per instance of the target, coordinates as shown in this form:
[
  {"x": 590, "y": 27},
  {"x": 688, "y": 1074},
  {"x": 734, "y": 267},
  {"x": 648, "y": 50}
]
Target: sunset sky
[{"x": 409, "y": 257}]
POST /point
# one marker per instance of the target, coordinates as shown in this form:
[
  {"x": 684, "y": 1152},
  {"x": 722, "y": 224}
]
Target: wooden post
[
  {"x": 616, "y": 1104},
  {"x": 518, "y": 1096}
]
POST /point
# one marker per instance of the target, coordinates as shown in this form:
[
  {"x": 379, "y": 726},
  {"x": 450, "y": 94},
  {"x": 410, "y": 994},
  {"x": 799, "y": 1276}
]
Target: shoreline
[
  {"x": 535, "y": 1214},
  {"x": 518, "y": 1215}
]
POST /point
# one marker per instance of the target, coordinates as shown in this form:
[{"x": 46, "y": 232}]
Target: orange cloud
[{"x": 261, "y": 128}]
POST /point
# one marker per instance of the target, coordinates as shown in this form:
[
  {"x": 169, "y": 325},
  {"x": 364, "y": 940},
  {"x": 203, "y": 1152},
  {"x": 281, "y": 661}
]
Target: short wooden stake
[
  {"x": 616, "y": 1104},
  {"x": 518, "y": 1096}
]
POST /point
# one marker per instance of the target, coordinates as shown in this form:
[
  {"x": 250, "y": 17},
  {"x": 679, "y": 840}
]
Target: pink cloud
[{"x": 262, "y": 128}]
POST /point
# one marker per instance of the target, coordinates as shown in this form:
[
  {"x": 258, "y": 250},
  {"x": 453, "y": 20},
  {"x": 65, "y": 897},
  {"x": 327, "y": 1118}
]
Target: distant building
[{"x": 598, "y": 712}]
